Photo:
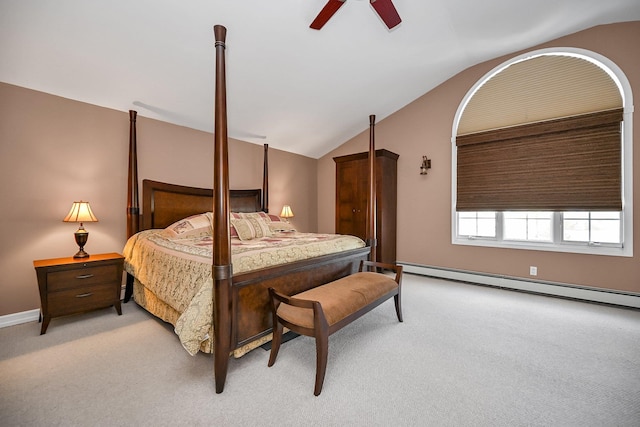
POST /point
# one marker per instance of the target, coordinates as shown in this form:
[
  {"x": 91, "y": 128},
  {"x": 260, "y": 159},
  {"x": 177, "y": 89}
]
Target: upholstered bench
[{"x": 321, "y": 311}]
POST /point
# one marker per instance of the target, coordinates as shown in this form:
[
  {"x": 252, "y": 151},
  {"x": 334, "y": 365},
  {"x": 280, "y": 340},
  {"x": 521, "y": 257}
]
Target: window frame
[
  {"x": 590, "y": 220},
  {"x": 626, "y": 248},
  {"x": 556, "y": 244}
]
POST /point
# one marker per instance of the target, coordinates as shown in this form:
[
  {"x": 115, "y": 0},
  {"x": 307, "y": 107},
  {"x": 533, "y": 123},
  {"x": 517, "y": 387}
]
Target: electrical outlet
[{"x": 533, "y": 270}]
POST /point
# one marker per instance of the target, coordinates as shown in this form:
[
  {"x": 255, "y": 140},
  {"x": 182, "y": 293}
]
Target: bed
[
  {"x": 234, "y": 310},
  {"x": 169, "y": 267}
]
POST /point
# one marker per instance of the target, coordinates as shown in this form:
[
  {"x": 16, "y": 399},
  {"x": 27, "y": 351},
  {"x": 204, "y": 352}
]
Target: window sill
[{"x": 547, "y": 247}]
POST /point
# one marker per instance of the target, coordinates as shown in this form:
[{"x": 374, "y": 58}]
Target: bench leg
[
  {"x": 322, "y": 350},
  {"x": 398, "y": 307},
  {"x": 275, "y": 343}
]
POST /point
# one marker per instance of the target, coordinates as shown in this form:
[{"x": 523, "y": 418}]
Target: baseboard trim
[
  {"x": 564, "y": 290},
  {"x": 18, "y": 318}
]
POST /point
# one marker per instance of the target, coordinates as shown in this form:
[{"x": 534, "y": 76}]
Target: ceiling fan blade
[
  {"x": 387, "y": 11},
  {"x": 326, "y": 13}
]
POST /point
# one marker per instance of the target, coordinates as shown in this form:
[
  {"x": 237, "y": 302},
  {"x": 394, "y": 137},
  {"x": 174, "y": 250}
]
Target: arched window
[{"x": 541, "y": 156}]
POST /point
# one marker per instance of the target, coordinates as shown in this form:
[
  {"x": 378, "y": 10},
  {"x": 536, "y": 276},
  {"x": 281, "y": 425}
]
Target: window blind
[{"x": 572, "y": 163}]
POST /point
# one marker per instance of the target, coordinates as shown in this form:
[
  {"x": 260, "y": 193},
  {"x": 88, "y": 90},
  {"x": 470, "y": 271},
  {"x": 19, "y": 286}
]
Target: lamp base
[
  {"x": 81, "y": 239},
  {"x": 81, "y": 254}
]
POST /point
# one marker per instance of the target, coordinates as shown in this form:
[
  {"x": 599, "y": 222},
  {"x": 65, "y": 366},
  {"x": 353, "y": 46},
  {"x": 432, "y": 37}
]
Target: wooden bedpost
[
  {"x": 133, "y": 207},
  {"x": 221, "y": 269},
  {"x": 265, "y": 180},
  {"x": 372, "y": 240}
]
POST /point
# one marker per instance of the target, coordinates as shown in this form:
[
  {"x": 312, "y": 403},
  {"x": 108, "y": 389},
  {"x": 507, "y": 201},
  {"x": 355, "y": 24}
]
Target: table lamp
[
  {"x": 286, "y": 213},
  {"x": 81, "y": 212}
]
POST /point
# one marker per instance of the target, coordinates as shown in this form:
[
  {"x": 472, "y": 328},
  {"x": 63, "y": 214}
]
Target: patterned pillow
[
  {"x": 274, "y": 222},
  {"x": 261, "y": 215},
  {"x": 193, "y": 226},
  {"x": 251, "y": 228}
]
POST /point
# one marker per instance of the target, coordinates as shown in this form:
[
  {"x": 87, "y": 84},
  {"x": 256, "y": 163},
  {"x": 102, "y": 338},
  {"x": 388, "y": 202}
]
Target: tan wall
[
  {"x": 424, "y": 202},
  {"x": 54, "y": 151}
]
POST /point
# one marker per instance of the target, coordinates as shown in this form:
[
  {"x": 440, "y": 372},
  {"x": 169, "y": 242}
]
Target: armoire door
[
  {"x": 352, "y": 192},
  {"x": 351, "y": 208}
]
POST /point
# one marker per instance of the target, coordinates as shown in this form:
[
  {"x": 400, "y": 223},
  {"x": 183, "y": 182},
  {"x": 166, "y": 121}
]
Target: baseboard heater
[{"x": 600, "y": 295}]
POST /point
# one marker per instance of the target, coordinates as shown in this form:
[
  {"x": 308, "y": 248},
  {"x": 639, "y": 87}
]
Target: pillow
[
  {"x": 251, "y": 228},
  {"x": 274, "y": 222},
  {"x": 193, "y": 226},
  {"x": 261, "y": 215},
  {"x": 237, "y": 215}
]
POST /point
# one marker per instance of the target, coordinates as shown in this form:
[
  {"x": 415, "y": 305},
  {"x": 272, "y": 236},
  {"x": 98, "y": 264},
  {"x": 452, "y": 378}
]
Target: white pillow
[{"x": 194, "y": 226}]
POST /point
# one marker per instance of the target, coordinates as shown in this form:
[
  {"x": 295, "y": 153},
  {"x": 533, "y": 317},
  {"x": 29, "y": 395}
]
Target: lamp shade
[
  {"x": 80, "y": 212},
  {"x": 286, "y": 212}
]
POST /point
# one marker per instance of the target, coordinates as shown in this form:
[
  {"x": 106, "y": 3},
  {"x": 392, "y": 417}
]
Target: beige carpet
[{"x": 465, "y": 356}]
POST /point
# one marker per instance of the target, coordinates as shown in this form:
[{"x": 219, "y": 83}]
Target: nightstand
[{"x": 70, "y": 285}]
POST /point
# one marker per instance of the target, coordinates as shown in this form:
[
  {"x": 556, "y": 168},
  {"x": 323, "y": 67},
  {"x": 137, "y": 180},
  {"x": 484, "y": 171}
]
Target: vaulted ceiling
[{"x": 293, "y": 87}]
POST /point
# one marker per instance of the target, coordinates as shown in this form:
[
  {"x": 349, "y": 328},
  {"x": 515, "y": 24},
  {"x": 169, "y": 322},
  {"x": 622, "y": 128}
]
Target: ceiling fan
[{"x": 385, "y": 9}]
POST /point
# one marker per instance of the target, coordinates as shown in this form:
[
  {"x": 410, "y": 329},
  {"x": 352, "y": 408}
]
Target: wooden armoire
[{"x": 352, "y": 191}]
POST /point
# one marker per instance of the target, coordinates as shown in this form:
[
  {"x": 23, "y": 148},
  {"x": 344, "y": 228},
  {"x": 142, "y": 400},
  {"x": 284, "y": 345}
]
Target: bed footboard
[{"x": 250, "y": 291}]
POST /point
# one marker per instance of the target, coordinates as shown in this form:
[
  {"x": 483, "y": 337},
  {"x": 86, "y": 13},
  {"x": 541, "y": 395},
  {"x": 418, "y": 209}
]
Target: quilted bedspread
[{"x": 178, "y": 271}]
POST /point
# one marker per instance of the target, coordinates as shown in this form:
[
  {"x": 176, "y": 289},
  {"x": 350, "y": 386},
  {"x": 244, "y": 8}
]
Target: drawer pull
[
  {"x": 84, "y": 276},
  {"x": 88, "y": 294}
]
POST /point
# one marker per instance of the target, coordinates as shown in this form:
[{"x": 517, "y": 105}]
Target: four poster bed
[{"x": 214, "y": 307}]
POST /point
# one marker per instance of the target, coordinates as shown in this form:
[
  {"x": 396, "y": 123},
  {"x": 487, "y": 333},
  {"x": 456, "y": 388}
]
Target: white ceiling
[{"x": 297, "y": 89}]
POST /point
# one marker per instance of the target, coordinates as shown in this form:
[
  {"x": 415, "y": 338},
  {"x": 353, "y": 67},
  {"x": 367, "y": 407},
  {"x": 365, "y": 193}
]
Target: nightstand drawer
[
  {"x": 82, "y": 299},
  {"x": 80, "y": 277}
]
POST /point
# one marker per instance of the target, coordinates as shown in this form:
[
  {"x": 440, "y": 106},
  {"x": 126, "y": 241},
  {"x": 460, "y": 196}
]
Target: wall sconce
[
  {"x": 426, "y": 164},
  {"x": 286, "y": 213},
  {"x": 81, "y": 212}
]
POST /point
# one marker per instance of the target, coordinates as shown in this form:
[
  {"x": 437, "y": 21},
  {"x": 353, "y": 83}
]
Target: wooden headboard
[{"x": 163, "y": 204}]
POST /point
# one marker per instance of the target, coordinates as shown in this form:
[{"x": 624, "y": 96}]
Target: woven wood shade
[{"x": 571, "y": 163}]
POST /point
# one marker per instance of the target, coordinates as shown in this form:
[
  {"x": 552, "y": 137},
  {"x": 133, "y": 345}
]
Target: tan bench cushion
[{"x": 339, "y": 298}]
